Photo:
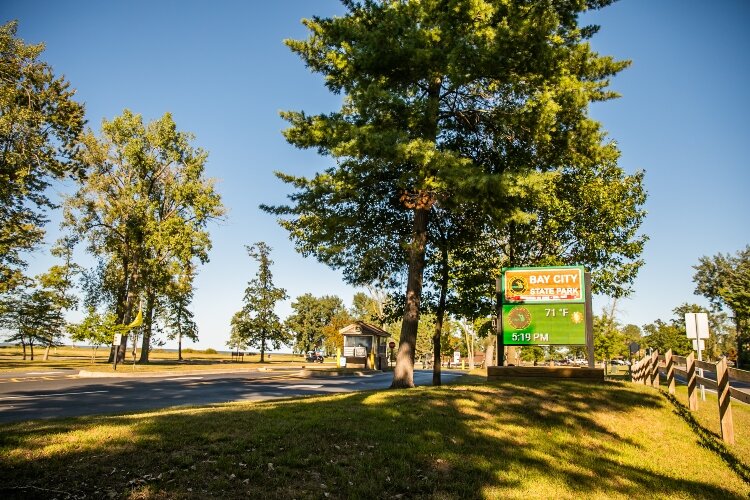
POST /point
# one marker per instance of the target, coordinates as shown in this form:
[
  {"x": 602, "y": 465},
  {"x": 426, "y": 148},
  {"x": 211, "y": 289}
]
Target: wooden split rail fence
[{"x": 646, "y": 371}]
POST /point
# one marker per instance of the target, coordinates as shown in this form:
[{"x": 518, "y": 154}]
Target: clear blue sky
[{"x": 222, "y": 70}]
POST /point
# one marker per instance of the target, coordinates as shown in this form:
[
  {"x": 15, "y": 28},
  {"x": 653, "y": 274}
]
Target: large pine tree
[{"x": 448, "y": 104}]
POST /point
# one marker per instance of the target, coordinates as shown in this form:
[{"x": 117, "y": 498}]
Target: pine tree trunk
[
  {"x": 31, "y": 346},
  {"x": 179, "y": 345},
  {"x": 440, "y": 313},
  {"x": 403, "y": 373},
  {"x": 46, "y": 353},
  {"x": 23, "y": 344}
]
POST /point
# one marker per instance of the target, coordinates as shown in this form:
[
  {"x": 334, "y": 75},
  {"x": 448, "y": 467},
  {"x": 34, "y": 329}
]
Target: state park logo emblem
[
  {"x": 519, "y": 318},
  {"x": 518, "y": 285}
]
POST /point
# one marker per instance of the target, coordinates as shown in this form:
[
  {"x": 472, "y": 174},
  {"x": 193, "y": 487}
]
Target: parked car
[{"x": 314, "y": 357}]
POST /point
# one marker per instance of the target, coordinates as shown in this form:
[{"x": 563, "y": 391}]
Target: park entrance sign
[
  {"x": 545, "y": 306},
  {"x": 548, "y": 284}
]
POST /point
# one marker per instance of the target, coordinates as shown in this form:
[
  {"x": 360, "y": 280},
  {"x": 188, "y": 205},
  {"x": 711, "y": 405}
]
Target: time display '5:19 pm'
[{"x": 527, "y": 337}]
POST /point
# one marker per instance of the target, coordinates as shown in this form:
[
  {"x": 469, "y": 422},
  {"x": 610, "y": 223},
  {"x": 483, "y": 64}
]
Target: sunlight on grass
[{"x": 501, "y": 440}]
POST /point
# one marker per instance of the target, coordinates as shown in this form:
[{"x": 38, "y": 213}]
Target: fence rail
[{"x": 646, "y": 371}]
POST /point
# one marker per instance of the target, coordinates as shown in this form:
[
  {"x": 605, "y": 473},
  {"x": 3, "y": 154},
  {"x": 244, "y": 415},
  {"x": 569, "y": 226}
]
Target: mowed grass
[
  {"x": 520, "y": 439},
  {"x": 707, "y": 415},
  {"x": 79, "y": 358}
]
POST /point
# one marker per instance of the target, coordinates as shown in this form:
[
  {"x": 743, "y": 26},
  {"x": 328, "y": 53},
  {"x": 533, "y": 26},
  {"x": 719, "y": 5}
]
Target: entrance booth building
[{"x": 365, "y": 346}]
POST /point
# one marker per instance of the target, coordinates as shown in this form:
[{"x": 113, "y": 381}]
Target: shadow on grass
[
  {"x": 710, "y": 440},
  {"x": 459, "y": 441}
]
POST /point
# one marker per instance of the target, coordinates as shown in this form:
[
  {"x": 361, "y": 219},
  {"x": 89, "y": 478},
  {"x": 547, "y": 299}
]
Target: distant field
[
  {"x": 80, "y": 358},
  {"x": 521, "y": 439}
]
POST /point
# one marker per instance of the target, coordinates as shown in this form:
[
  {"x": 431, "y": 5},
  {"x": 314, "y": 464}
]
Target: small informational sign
[
  {"x": 342, "y": 362},
  {"x": 634, "y": 347},
  {"x": 544, "y": 324},
  {"x": 696, "y": 325},
  {"x": 118, "y": 339},
  {"x": 360, "y": 352},
  {"x": 392, "y": 344},
  {"x": 697, "y": 347},
  {"x": 456, "y": 357},
  {"x": 543, "y": 284}
]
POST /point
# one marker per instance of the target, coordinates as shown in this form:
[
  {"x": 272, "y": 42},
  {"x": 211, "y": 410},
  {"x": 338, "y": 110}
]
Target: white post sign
[
  {"x": 696, "y": 325},
  {"x": 118, "y": 339},
  {"x": 696, "y": 328}
]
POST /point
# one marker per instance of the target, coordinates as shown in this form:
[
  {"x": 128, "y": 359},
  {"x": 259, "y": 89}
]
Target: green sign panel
[{"x": 544, "y": 324}]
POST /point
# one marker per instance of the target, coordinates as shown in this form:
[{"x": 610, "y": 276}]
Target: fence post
[
  {"x": 655, "y": 369},
  {"x": 639, "y": 371},
  {"x": 644, "y": 369},
  {"x": 692, "y": 396},
  {"x": 724, "y": 397},
  {"x": 670, "y": 371}
]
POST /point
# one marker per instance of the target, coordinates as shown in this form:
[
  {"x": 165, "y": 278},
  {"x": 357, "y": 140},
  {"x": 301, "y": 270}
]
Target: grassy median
[
  {"x": 80, "y": 358},
  {"x": 469, "y": 440}
]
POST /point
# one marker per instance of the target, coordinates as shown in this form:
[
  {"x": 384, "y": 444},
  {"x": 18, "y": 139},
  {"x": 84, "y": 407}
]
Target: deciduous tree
[
  {"x": 664, "y": 336},
  {"x": 96, "y": 330},
  {"x": 39, "y": 128},
  {"x": 724, "y": 280},
  {"x": 143, "y": 210},
  {"x": 310, "y": 318},
  {"x": 177, "y": 316}
]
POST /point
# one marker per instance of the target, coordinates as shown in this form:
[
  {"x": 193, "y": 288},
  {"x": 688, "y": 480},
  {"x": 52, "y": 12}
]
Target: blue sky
[{"x": 223, "y": 72}]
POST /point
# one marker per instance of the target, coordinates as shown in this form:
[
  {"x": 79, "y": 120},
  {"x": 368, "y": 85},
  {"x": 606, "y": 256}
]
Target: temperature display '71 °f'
[{"x": 544, "y": 324}]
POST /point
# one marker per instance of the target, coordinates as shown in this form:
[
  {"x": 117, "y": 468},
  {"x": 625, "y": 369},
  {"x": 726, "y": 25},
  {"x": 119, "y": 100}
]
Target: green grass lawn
[
  {"x": 707, "y": 415},
  {"x": 80, "y": 358},
  {"x": 473, "y": 439}
]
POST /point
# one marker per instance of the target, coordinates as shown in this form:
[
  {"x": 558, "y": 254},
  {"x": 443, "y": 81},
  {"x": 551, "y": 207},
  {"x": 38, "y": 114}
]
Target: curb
[{"x": 293, "y": 371}]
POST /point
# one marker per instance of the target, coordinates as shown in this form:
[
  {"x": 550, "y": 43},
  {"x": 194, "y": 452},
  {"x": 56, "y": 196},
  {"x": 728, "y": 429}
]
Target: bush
[{"x": 211, "y": 351}]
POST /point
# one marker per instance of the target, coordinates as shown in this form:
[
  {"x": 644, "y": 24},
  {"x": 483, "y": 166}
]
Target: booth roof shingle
[{"x": 362, "y": 328}]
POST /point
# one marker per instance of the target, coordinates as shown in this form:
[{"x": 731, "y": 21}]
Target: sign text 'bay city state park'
[{"x": 544, "y": 306}]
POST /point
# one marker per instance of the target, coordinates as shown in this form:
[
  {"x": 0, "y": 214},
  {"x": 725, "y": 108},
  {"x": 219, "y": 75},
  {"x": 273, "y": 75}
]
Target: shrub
[{"x": 211, "y": 351}]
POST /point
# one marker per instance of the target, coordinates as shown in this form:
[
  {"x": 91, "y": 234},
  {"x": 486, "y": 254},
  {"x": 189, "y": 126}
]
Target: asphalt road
[{"x": 44, "y": 395}]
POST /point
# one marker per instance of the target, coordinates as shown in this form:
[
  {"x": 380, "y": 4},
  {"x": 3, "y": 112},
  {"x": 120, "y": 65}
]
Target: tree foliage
[
  {"x": 34, "y": 313},
  {"x": 32, "y": 317},
  {"x": 257, "y": 324},
  {"x": 143, "y": 210},
  {"x": 724, "y": 280},
  {"x": 609, "y": 340},
  {"x": 664, "y": 336},
  {"x": 309, "y": 319},
  {"x": 96, "y": 330},
  {"x": 39, "y": 128},
  {"x": 478, "y": 108},
  {"x": 175, "y": 311}
]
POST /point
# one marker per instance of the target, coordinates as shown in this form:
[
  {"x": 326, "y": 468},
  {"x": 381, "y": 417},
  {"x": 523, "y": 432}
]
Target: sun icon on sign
[{"x": 576, "y": 317}]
